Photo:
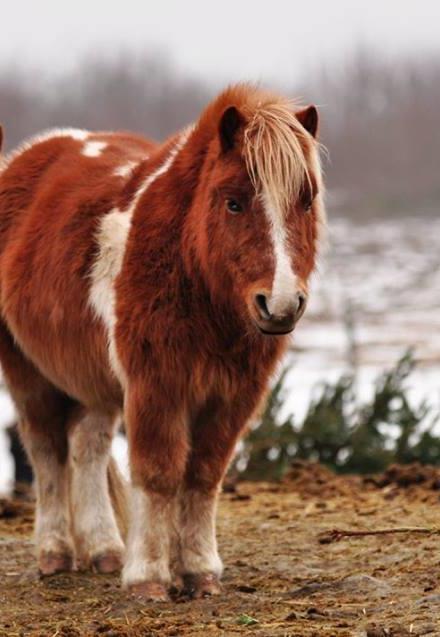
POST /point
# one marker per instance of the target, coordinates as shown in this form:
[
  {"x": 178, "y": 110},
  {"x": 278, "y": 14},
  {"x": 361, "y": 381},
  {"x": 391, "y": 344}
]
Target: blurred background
[{"x": 374, "y": 71}]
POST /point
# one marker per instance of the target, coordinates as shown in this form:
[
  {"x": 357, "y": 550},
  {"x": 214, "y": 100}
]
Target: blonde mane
[{"x": 274, "y": 154}]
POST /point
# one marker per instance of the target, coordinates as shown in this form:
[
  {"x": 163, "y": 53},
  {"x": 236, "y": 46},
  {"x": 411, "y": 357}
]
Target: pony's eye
[
  {"x": 307, "y": 205},
  {"x": 234, "y": 206}
]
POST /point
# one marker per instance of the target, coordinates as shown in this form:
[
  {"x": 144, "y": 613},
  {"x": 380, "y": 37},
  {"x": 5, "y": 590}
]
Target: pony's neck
[
  {"x": 166, "y": 267},
  {"x": 165, "y": 187},
  {"x": 167, "y": 217}
]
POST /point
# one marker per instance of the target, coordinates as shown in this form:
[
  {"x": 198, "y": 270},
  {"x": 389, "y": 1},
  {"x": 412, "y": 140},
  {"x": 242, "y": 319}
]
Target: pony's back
[{"x": 53, "y": 192}]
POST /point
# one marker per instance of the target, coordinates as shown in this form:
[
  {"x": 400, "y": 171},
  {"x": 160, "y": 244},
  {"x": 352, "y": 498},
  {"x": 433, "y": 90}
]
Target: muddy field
[{"x": 286, "y": 574}]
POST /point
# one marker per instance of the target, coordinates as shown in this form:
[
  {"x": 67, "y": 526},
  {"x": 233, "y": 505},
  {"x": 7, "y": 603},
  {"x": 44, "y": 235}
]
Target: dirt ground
[{"x": 285, "y": 575}]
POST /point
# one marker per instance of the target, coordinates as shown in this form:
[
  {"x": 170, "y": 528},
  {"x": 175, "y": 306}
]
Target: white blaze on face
[{"x": 285, "y": 282}]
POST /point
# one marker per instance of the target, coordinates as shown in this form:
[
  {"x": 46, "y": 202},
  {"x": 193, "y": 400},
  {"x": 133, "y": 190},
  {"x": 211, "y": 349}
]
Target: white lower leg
[
  {"x": 52, "y": 533},
  {"x": 149, "y": 540},
  {"x": 199, "y": 552},
  {"x": 95, "y": 528},
  {"x": 52, "y": 525}
]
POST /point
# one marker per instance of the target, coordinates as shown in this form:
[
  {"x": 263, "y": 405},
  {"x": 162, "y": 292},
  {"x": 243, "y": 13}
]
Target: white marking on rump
[
  {"x": 77, "y": 134},
  {"x": 111, "y": 238},
  {"x": 126, "y": 169},
  {"x": 285, "y": 282},
  {"x": 93, "y": 148}
]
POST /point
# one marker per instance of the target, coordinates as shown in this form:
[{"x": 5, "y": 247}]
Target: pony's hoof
[
  {"x": 202, "y": 585},
  {"x": 177, "y": 585},
  {"x": 110, "y": 562},
  {"x": 150, "y": 592},
  {"x": 51, "y": 562}
]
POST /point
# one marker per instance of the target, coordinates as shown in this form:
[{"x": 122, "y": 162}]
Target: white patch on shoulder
[
  {"x": 285, "y": 282},
  {"x": 77, "y": 134},
  {"x": 93, "y": 148},
  {"x": 112, "y": 238},
  {"x": 126, "y": 169}
]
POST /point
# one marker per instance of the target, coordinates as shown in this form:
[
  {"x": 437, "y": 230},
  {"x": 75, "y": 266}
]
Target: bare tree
[{"x": 381, "y": 120}]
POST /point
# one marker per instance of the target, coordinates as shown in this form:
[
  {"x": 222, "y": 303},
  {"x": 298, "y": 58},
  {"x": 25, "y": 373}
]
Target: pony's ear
[
  {"x": 309, "y": 118},
  {"x": 230, "y": 122}
]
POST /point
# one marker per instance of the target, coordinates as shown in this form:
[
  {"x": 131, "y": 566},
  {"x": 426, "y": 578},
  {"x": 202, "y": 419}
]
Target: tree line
[{"x": 380, "y": 120}]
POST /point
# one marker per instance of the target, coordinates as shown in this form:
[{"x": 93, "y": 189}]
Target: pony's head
[{"x": 257, "y": 208}]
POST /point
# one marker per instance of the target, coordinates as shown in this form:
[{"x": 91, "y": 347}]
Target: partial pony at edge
[{"x": 3, "y": 156}]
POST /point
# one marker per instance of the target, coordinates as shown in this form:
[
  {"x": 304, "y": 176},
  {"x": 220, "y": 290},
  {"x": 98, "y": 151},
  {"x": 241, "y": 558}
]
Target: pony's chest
[{"x": 227, "y": 374}]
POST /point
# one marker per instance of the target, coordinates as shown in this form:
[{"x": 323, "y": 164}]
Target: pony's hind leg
[
  {"x": 97, "y": 537},
  {"x": 43, "y": 413},
  {"x": 52, "y": 527}
]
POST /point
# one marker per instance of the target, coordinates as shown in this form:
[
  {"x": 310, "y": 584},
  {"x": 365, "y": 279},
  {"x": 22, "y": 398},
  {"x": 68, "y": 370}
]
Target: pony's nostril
[
  {"x": 301, "y": 304},
  {"x": 261, "y": 303}
]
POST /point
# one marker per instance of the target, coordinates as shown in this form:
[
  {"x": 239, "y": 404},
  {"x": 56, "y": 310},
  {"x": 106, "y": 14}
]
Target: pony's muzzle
[{"x": 284, "y": 319}]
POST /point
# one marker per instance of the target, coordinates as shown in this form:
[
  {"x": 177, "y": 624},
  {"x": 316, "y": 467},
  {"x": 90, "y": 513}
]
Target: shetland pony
[{"x": 158, "y": 283}]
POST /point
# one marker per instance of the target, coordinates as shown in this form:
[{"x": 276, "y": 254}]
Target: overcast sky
[{"x": 227, "y": 40}]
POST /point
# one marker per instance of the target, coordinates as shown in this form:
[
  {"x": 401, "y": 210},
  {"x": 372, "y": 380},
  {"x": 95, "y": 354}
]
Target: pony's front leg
[
  {"x": 158, "y": 447},
  {"x": 199, "y": 559},
  {"x": 214, "y": 437}
]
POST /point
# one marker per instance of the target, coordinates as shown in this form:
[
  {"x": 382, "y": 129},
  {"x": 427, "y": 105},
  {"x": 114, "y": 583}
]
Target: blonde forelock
[{"x": 274, "y": 154}]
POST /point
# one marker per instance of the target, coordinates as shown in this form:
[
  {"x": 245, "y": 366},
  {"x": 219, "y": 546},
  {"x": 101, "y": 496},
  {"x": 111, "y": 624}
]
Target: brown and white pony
[{"x": 157, "y": 282}]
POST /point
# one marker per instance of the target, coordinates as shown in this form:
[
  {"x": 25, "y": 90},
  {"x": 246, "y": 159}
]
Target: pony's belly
[
  {"x": 94, "y": 387},
  {"x": 76, "y": 363}
]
